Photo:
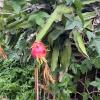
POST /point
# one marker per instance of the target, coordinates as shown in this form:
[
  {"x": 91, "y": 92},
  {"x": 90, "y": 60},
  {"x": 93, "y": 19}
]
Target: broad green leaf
[
  {"x": 7, "y": 6},
  {"x": 38, "y": 18},
  {"x": 24, "y": 25},
  {"x": 55, "y": 34},
  {"x": 40, "y": 21},
  {"x": 69, "y": 2},
  {"x": 63, "y": 96},
  {"x": 96, "y": 62},
  {"x": 88, "y": 25},
  {"x": 1, "y": 38},
  {"x": 15, "y": 24},
  {"x": 85, "y": 66},
  {"x": 90, "y": 35},
  {"x": 96, "y": 43},
  {"x": 79, "y": 43},
  {"x": 72, "y": 23},
  {"x": 95, "y": 97},
  {"x": 55, "y": 55},
  {"x": 1, "y": 22},
  {"x": 66, "y": 79},
  {"x": 78, "y": 4},
  {"x": 85, "y": 96},
  {"x": 59, "y": 11},
  {"x": 66, "y": 54},
  {"x": 89, "y": 15},
  {"x": 96, "y": 83},
  {"x": 21, "y": 43},
  {"x": 16, "y": 6}
]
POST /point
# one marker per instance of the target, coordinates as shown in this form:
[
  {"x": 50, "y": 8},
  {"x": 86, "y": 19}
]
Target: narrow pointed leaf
[
  {"x": 66, "y": 54},
  {"x": 79, "y": 43}
]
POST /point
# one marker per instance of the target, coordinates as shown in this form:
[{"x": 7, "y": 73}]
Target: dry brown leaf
[
  {"x": 2, "y": 53},
  {"x": 47, "y": 75}
]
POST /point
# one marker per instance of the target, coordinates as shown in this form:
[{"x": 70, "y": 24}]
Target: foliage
[{"x": 70, "y": 29}]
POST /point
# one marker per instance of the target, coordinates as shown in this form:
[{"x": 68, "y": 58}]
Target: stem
[
  {"x": 86, "y": 90},
  {"x": 36, "y": 83},
  {"x": 58, "y": 12}
]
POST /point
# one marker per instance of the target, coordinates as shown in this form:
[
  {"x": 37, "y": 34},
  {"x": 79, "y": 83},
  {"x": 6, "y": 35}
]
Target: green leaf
[
  {"x": 89, "y": 15},
  {"x": 55, "y": 34},
  {"x": 55, "y": 55},
  {"x": 59, "y": 11},
  {"x": 1, "y": 38},
  {"x": 78, "y": 4},
  {"x": 88, "y": 25},
  {"x": 38, "y": 18},
  {"x": 66, "y": 54},
  {"x": 16, "y": 6},
  {"x": 96, "y": 62},
  {"x": 21, "y": 43},
  {"x": 66, "y": 79},
  {"x": 15, "y": 23},
  {"x": 96, "y": 42},
  {"x": 79, "y": 43},
  {"x": 95, "y": 97},
  {"x": 74, "y": 68},
  {"x": 40, "y": 21},
  {"x": 69, "y": 2},
  {"x": 24, "y": 24},
  {"x": 85, "y": 66},
  {"x": 96, "y": 83},
  {"x": 85, "y": 96},
  {"x": 88, "y": 1},
  {"x": 1, "y": 22},
  {"x": 90, "y": 35}
]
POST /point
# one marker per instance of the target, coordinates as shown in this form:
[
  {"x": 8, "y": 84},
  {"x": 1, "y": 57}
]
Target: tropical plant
[{"x": 70, "y": 31}]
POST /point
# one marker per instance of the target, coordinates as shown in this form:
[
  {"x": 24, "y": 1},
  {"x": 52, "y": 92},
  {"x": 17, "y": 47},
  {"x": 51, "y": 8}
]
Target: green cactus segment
[{"x": 59, "y": 11}]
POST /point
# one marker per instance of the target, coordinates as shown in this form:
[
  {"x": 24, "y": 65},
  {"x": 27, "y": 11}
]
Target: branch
[{"x": 86, "y": 90}]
